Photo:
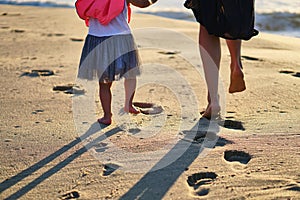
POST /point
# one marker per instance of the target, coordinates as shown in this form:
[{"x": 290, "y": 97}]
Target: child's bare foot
[
  {"x": 104, "y": 121},
  {"x": 237, "y": 83}
]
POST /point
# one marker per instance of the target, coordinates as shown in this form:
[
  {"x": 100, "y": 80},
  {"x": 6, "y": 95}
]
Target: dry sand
[{"x": 257, "y": 155}]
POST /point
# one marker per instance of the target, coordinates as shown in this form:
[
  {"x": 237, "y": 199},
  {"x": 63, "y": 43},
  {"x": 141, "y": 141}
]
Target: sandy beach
[{"x": 46, "y": 155}]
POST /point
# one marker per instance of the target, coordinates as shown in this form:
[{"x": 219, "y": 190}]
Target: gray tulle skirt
[{"x": 109, "y": 58}]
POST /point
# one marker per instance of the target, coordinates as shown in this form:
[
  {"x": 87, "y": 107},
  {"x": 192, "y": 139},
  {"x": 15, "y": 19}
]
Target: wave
[
  {"x": 281, "y": 19},
  {"x": 277, "y": 6},
  {"x": 278, "y": 21},
  {"x": 284, "y": 23}
]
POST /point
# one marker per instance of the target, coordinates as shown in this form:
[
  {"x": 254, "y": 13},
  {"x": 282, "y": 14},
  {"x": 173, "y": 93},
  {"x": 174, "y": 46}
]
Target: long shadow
[
  {"x": 27, "y": 172},
  {"x": 153, "y": 185},
  {"x": 15, "y": 179},
  {"x": 156, "y": 183}
]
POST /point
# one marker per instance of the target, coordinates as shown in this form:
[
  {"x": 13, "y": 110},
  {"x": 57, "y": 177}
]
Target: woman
[{"x": 234, "y": 21}]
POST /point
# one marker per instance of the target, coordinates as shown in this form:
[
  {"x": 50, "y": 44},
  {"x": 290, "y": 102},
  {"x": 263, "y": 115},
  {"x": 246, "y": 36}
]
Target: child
[{"x": 109, "y": 52}]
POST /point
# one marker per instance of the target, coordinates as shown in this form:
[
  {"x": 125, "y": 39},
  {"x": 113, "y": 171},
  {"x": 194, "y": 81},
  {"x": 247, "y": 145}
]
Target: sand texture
[{"x": 49, "y": 152}]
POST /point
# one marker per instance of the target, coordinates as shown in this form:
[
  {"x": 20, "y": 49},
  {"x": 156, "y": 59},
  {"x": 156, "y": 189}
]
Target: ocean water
[{"x": 274, "y": 16}]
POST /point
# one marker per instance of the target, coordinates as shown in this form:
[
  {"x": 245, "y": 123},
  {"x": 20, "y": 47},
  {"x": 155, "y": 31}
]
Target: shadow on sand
[
  {"x": 233, "y": 124},
  {"x": 153, "y": 185},
  {"x": 29, "y": 171}
]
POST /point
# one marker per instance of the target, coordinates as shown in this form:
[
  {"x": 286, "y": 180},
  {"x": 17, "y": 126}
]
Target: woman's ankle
[{"x": 236, "y": 65}]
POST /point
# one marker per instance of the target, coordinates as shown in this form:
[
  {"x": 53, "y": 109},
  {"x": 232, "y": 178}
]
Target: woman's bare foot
[
  {"x": 105, "y": 121},
  {"x": 237, "y": 83},
  {"x": 212, "y": 112},
  {"x": 132, "y": 110}
]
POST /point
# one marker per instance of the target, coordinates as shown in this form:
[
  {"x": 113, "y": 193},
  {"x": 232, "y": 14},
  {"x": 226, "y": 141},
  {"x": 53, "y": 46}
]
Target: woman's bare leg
[
  {"x": 105, "y": 98},
  {"x": 237, "y": 83},
  {"x": 130, "y": 86},
  {"x": 210, "y": 52}
]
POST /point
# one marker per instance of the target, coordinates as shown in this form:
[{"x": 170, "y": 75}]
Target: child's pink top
[{"x": 103, "y": 10}]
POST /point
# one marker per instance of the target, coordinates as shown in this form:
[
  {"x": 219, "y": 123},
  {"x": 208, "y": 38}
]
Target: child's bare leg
[
  {"x": 210, "y": 51},
  {"x": 105, "y": 98},
  {"x": 130, "y": 86},
  {"x": 237, "y": 83}
]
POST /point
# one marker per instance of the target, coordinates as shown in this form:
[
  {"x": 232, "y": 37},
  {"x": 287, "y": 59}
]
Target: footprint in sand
[
  {"x": 295, "y": 188},
  {"x": 37, "y": 73},
  {"x": 53, "y": 34},
  {"x": 232, "y": 124},
  {"x": 237, "y": 156},
  {"x": 37, "y": 111},
  {"x": 295, "y": 74},
  {"x": 149, "y": 108},
  {"x": 169, "y": 52},
  {"x": 109, "y": 169},
  {"x": 101, "y": 147},
  {"x": 69, "y": 89},
  {"x": 70, "y": 195},
  {"x": 11, "y": 14},
  {"x": 63, "y": 88},
  {"x": 251, "y": 58},
  {"x": 207, "y": 137},
  {"x": 199, "y": 180},
  {"x": 76, "y": 39},
  {"x": 231, "y": 112},
  {"x": 238, "y": 159},
  {"x": 18, "y": 31},
  {"x": 286, "y": 72}
]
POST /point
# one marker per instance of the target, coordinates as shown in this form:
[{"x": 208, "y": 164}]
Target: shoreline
[
  {"x": 188, "y": 16},
  {"x": 44, "y": 156}
]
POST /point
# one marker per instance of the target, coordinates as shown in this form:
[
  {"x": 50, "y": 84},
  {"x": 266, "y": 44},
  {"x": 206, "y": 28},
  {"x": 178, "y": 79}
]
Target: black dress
[{"x": 229, "y": 19}]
